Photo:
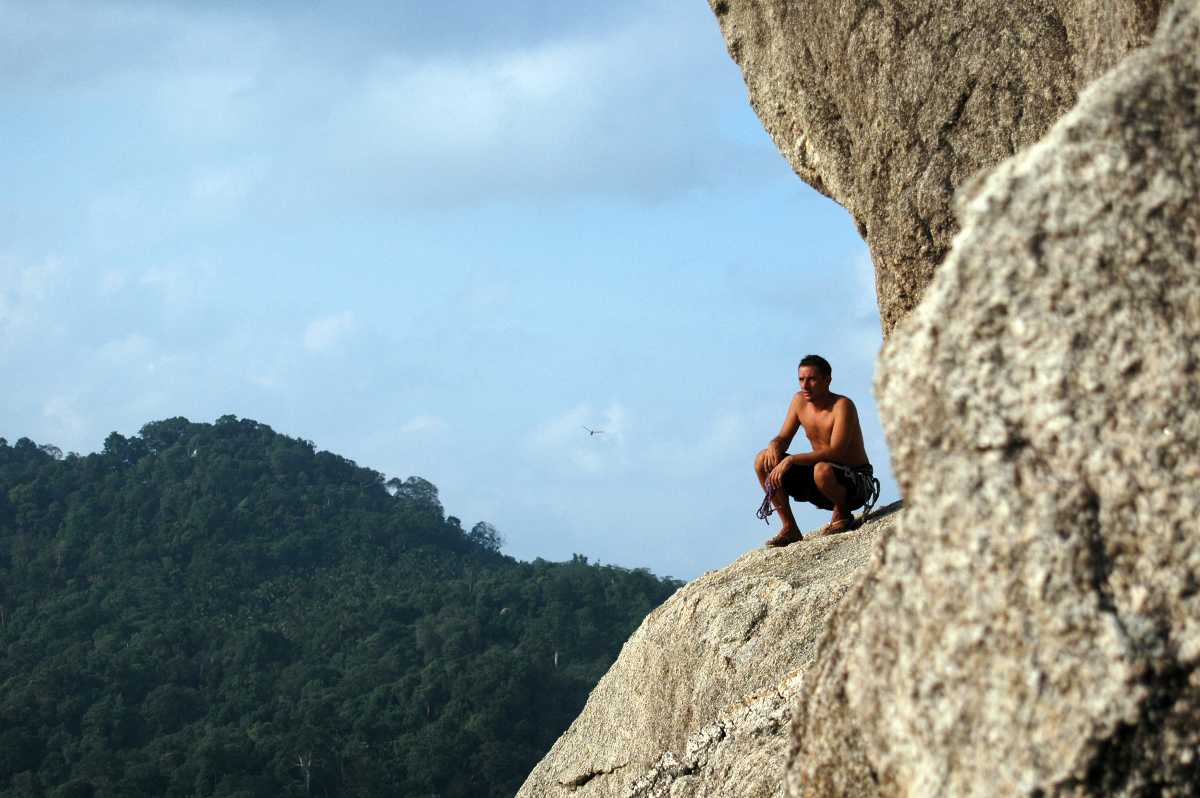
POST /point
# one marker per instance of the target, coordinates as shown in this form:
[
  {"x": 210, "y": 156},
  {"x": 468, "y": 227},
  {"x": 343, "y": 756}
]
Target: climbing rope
[{"x": 765, "y": 509}]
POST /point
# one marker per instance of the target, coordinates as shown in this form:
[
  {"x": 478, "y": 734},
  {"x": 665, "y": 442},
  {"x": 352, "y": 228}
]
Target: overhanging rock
[{"x": 889, "y": 106}]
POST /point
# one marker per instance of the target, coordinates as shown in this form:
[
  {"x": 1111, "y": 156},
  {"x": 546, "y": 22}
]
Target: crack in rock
[{"x": 584, "y": 778}]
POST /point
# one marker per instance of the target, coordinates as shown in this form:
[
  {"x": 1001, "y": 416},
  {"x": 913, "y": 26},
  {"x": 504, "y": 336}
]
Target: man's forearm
[
  {"x": 812, "y": 458},
  {"x": 779, "y": 444},
  {"x": 829, "y": 454}
]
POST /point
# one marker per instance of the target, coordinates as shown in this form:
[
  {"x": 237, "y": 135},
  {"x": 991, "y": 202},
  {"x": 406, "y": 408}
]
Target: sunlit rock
[
  {"x": 888, "y": 107},
  {"x": 1034, "y": 628}
]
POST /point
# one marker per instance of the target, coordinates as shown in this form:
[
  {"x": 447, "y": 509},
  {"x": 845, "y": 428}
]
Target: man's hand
[
  {"x": 775, "y": 478},
  {"x": 774, "y": 454}
]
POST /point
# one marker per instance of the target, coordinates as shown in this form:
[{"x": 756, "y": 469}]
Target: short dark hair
[{"x": 817, "y": 362}]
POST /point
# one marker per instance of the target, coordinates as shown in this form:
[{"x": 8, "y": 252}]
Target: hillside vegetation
[{"x": 218, "y": 609}]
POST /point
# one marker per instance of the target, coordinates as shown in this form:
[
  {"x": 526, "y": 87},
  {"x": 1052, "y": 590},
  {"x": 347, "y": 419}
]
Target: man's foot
[
  {"x": 845, "y": 523},
  {"x": 786, "y": 536}
]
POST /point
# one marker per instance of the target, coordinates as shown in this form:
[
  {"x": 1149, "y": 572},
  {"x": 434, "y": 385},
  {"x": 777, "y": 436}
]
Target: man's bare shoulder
[
  {"x": 802, "y": 407},
  {"x": 844, "y": 401}
]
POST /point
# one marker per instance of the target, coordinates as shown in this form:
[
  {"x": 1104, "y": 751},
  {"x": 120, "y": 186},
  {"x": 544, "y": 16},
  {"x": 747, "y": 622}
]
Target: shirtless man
[{"x": 831, "y": 476}]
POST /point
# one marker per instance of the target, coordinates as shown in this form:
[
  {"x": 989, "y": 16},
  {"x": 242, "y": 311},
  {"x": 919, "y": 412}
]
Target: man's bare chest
[{"x": 818, "y": 425}]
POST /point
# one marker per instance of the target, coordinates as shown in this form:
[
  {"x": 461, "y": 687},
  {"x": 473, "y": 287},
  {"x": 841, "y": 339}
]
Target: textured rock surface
[
  {"x": 888, "y": 106},
  {"x": 1034, "y": 628},
  {"x": 695, "y": 665},
  {"x": 741, "y": 754}
]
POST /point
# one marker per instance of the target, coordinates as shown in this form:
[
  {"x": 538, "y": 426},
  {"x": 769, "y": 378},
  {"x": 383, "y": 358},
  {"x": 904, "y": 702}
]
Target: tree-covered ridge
[{"x": 218, "y": 609}]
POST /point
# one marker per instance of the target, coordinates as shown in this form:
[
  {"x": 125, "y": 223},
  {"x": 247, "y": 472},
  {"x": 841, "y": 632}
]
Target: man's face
[{"x": 813, "y": 384}]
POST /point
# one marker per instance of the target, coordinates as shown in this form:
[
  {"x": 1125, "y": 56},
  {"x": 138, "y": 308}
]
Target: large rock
[
  {"x": 888, "y": 106},
  {"x": 741, "y": 754},
  {"x": 702, "y": 692},
  {"x": 1034, "y": 627}
]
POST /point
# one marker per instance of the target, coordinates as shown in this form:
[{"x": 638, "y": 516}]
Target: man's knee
[
  {"x": 760, "y": 461},
  {"x": 823, "y": 475}
]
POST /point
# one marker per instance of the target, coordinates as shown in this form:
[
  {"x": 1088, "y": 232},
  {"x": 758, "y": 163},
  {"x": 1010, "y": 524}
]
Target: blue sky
[{"x": 436, "y": 239}]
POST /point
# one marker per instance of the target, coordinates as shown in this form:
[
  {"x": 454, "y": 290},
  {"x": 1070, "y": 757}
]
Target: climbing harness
[{"x": 865, "y": 484}]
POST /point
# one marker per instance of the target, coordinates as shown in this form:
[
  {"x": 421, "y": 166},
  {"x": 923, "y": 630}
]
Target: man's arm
[
  {"x": 779, "y": 444},
  {"x": 844, "y": 440}
]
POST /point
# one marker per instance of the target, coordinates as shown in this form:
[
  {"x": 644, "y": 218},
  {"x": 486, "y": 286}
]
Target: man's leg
[
  {"x": 827, "y": 482},
  {"x": 779, "y": 500}
]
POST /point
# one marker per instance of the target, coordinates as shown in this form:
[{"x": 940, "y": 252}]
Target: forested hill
[{"x": 218, "y": 609}]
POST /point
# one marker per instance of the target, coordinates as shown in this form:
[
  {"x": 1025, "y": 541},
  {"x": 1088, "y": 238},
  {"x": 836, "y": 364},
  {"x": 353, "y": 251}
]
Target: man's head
[{"x": 814, "y": 374}]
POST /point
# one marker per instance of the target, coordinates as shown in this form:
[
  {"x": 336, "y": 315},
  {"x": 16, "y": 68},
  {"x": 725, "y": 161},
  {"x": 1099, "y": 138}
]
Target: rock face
[
  {"x": 1034, "y": 626},
  {"x": 888, "y": 106},
  {"x": 1031, "y": 624},
  {"x": 720, "y": 661},
  {"x": 738, "y": 755}
]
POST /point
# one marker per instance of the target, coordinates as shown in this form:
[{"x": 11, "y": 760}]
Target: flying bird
[{"x": 592, "y": 432}]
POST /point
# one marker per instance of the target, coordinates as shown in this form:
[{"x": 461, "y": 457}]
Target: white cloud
[
  {"x": 221, "y": 192},
  {"x": 118, "y": 215},
  {"x": 214, "y": 101},
  {"x": 486, "y": 292},
  {"x": 125, "y": 350},
  {"x": 573, "y": 114},
  {"x": 39, "y": 279},
  {"x": 182, "y": 287},
  {"x": 422, "y": 423},
  {"x": 428, "y": 121},
  {"x": 565, "y": 438},
  {"x": 555, "y": 433},
  {"x": 571, "y": 426},
  {"x": 129, "y": 215},
  {"x": 575, "y": 110},
  {"x": 324, "y": 334},
  {"x": 27, "y": 296},
  {"x": 69, "y": 425},
  {"x": 111, "y": 282},
  {"x": 723, "y": 437}
]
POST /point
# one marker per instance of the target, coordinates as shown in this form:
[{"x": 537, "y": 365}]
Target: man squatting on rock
[{"x": 831, "y": 476}]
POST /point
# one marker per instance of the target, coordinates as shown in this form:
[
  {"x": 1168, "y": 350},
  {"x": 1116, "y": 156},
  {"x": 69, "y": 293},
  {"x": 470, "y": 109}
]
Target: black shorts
[{"x": 798, "y": 483}]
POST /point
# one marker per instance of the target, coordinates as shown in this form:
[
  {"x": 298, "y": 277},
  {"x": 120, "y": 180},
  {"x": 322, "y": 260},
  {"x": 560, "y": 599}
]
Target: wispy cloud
[
  {"x": 312, "y": 155},
  {"x": 124, "y": 351},
  {"x": 338, "y": 114},
  {"x": 27, "y": 295},
  {"x": 724, "y": 436},
  {"x": 536, "y": 121},
  {"x": 220, "y": 191},
  {"x": 322, "y": 335},
  {"x": 181, "y": 287},
  {"x": 565, "y": 438},
  {"x": 422, "y": 423},
  {"x": 68, "y": 421},
  {"x": 111, "y": 282}
]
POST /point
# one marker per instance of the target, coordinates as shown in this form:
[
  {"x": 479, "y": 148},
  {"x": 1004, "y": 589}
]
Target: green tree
[{"x": 222, "y": 610}]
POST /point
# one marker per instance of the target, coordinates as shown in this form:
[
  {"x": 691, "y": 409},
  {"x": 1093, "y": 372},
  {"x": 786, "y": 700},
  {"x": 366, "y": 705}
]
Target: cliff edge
[{"x": 713, "y": 670}]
